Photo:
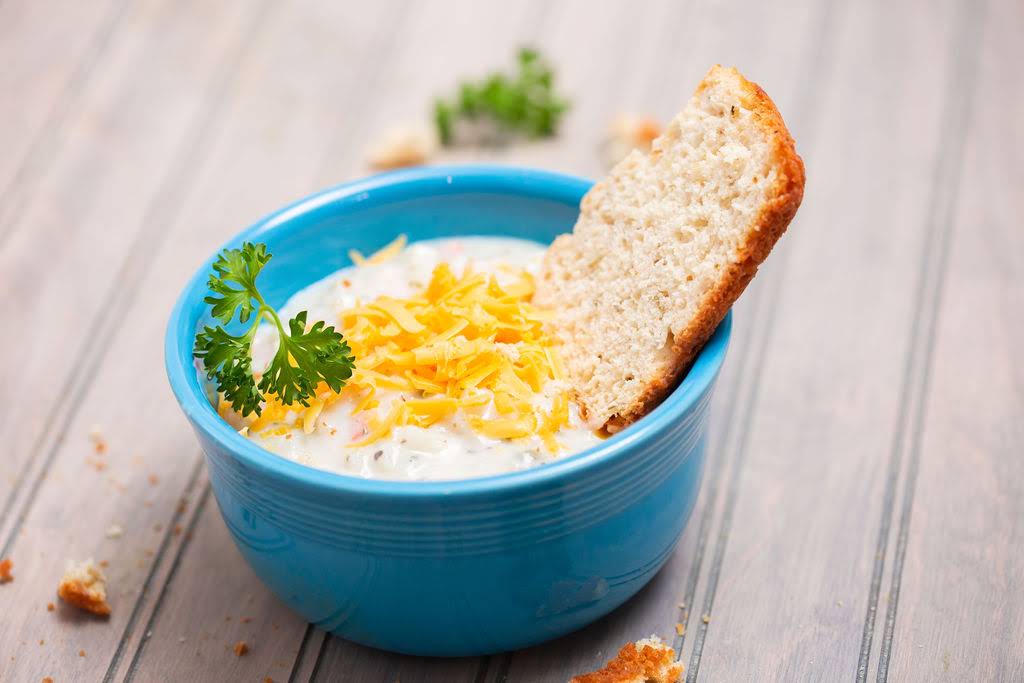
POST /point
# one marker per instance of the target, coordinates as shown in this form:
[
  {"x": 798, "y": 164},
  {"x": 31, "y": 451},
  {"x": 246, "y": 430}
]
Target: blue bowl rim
[{"x": 498, "y": 179}]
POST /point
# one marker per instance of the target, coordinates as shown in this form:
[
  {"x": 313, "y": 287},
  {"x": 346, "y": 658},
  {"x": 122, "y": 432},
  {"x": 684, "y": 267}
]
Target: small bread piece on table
[
  {"x": 85, "y": 587},
  {"x": 5, "y": 570},
  {"x": 665, "y": 244},
  {"x": 646, "y": 661}
]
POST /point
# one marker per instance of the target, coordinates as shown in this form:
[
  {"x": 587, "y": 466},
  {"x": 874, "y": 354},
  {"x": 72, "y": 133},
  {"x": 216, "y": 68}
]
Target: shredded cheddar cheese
[
  {"x": 464, "y": 346},
  {"x": 390, "y": 251},
  {"x": 462, "y": 343}
]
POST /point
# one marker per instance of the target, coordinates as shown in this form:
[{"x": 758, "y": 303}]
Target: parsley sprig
[
  {"x": 525, "y": 103},
  {"x": 304, "y": 357}
]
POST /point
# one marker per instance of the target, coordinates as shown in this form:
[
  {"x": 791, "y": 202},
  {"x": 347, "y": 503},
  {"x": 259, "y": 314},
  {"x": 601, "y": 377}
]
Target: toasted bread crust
[
  {"x": 84, "y": 587},
  {"x": 79, "y": 595},
  {"x": 773, "y": 219},
  {"x": 644, "y": 663}
]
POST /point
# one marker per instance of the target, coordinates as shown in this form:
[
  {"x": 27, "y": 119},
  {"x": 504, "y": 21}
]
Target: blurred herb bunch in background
[{"x": 503, "y": 106}]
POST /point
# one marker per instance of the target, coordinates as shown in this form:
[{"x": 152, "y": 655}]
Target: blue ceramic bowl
[{"x": 445, "y": 568}]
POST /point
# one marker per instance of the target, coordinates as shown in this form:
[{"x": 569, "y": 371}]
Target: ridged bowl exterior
[{"x": 446, "y": 568}]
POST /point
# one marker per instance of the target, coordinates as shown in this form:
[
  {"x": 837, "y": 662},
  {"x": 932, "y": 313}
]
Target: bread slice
[
  {"x": 666, "y": 243},
  {"x": 85, "y": 587},
  {"x": 646, "y": 661}
]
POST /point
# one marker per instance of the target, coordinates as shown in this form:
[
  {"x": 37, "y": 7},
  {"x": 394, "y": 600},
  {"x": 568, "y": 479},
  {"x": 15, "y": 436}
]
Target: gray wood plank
[
  {"x": 275, "y": 120},
  {"x": 749, "y": 38},
  {"x": 49, "y": 51},
  {"x": 960, "y": 610},
  {"x": 601, "y": 61},
  {"x": 904, "y": 460},
  {"x": 82, "y": 212},
  {"x": 796, "y": 547},
  {"x": 68, "y": 246},
  {"x": 212, "y": 602}
]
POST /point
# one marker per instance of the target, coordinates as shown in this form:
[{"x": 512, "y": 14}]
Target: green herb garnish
[
  {"x": 304, "y": 358},
  {"x": 525, "y": 103}
]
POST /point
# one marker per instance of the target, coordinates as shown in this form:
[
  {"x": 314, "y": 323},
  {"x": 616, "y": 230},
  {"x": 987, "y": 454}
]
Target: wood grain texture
[
  {"x": 62, "y": 265},
  {"x": 120, "y": 148},
  {"x": 805, "y": 509},
  {"x": 214, "y": 601},
  {"x": 958, "y": 616},
  {"x": 905, "y": 457},
  {"x": 49, "y": 52}
]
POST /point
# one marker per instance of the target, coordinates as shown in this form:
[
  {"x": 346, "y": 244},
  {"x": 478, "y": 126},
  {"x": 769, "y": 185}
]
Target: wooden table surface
[{"x": 862, "y": 516}]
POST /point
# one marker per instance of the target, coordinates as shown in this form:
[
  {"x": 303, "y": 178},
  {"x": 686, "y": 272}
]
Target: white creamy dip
[{"x": 447, "y": 449}]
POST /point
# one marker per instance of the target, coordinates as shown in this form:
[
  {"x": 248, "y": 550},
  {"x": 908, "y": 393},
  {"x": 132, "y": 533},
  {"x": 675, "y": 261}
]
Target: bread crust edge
[{"x": 773, "y": 219}]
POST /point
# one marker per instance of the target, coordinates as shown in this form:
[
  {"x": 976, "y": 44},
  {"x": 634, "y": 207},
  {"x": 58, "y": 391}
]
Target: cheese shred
[{"x": 462, "y": 343}]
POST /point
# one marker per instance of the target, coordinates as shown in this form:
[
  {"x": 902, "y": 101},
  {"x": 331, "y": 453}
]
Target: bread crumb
[
  {"x": 5, "y": 570},
  {"x": 42, "y": 642},
  {"x": 99, "y": 443},
  {"x": 153, "y": 480},
  {"x": 50, "y": 607},
  {"x": 81, "y": 653},
  {"x": 680, "y": 629},
  {"x": 706, "y": 618},
  {"x": 245, "y": 620},
  {"x": 85, "y": 587},
  {"x": 47, "y": 679},
  {"x": 400, "y": 147},
  {"x": 241, "y": 648},
  {"x": 649, "y": 660},
  {"x": 268, "y": 679},
  {"x": 628, "y": 132},
  {"x": 115, "y": 531},
  {"x": 104, "y": 564}
]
